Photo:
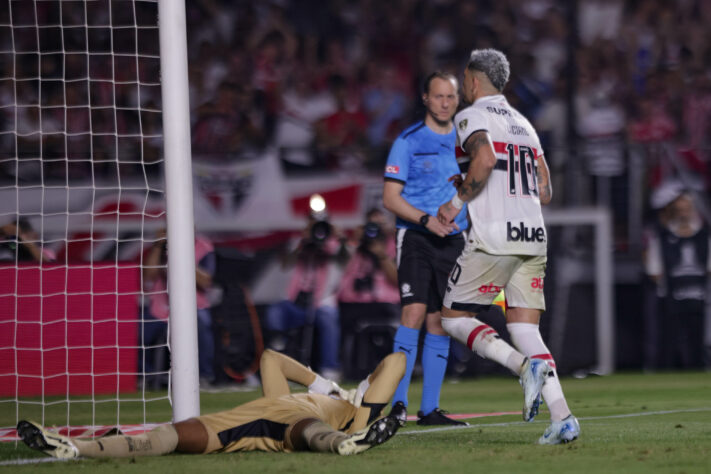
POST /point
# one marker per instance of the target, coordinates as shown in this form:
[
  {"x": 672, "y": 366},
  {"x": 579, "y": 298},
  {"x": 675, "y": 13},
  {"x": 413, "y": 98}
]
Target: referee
[{"x": 421, "y": 161}]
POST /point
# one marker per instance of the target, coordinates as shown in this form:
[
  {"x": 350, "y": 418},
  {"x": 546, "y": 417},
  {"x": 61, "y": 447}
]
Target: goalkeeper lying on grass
[{"x": 327, "y": 419}]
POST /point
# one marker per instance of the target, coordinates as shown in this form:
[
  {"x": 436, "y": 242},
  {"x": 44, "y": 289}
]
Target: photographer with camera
[
  {"x": 316, "y": 264},
  {"x": 19, "y": 242},
  {"x": 368, "y": 296},
  {"x": 156, "y": 312}
]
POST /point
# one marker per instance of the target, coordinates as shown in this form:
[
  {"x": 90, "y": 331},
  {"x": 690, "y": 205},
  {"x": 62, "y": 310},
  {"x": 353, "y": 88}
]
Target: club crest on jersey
[
  {"x": 392, "y": 169},
  {"x": 463, "y": 124}
]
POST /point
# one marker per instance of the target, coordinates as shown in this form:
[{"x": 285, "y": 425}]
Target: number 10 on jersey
[{"x": 521, "y": 170}]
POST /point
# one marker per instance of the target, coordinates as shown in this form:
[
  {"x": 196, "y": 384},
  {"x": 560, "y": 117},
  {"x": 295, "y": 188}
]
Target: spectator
[
  {"x": 368, "y": 294},
  {"x": 224, "y": 127},
  {"x": 302, "y": 107},
  {"x": 678, "y": 260},
  {"x": 316, "y": 268},
  {"x": 156, "y": 313},
  {"x": 384, "y": 102},
  {"x": 19, "y": 242},
  {"x": 340, "y": 137}
]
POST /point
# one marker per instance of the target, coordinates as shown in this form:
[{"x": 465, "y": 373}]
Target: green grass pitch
[{"x": 646, "y": 423}]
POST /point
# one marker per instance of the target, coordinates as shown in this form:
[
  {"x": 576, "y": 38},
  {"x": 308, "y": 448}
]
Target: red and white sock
[
  {"x": 527, "y": 339},
  {"x": 485, "y": 341}
]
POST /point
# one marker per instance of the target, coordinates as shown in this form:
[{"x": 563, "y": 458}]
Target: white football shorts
[{"x": 478, "y": 277}]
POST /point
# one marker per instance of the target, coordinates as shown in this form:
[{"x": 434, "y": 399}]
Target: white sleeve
[{"x": 469, "y": 121}]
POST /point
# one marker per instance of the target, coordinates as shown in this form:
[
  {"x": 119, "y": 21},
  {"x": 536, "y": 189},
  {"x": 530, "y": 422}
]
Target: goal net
[{"x": 82, "y": 197}]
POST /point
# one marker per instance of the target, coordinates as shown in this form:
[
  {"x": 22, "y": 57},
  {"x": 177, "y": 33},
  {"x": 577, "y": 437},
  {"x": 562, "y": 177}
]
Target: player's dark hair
[
  {"x": 493, "y": 63},
  {"x": 440, "y": 75}
]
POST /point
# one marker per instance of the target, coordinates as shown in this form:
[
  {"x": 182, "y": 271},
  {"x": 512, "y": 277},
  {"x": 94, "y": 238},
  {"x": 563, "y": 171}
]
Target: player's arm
[
  {"x": 152, "y": 268},
  {"x": 204, "y": 271},
  {"x": 483, "y": 160},
  {"x": 395, "y": 203},
  {"x": 543, "y": 181}
]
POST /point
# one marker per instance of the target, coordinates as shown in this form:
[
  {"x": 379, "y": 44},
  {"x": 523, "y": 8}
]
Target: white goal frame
[
  {"x": 179, "y": 209},
  {"x": 604, "y": 278}
]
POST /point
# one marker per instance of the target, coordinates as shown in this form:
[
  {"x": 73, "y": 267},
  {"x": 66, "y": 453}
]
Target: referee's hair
[
  {"x": 440, "y": 75},
  {"x": 493, "y": 63}
]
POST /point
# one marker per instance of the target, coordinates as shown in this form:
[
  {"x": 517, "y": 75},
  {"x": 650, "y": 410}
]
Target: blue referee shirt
[{"x": 423, "y": 160}]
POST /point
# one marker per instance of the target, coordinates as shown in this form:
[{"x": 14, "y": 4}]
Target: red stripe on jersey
[
  {"x": 475, "y": 333},
  {"x": 500, "y": 147}
]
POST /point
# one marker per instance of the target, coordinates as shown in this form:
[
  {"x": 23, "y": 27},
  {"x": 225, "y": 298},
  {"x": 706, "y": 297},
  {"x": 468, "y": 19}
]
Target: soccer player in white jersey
[{"x": 504, "y": 187}]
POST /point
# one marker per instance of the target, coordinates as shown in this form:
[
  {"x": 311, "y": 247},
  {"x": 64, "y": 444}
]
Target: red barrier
[{"x": 68, "y": 329}]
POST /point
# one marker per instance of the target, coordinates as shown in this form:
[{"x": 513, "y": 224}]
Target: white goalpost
[
  {"x": 179, "y": 197},
  {"x": 94, "y": 160}
]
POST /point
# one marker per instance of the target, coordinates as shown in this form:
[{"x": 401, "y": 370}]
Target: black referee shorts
[{"x": 424, "y": 263}]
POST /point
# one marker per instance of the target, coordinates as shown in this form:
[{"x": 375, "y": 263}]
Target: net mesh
[{"x": 81, "y": 199}]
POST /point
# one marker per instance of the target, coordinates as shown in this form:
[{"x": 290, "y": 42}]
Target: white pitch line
[
  {"x": 435, "y": 430},
  {"x": 17, "y": 462},
  {"x": 587, "y": 418}
]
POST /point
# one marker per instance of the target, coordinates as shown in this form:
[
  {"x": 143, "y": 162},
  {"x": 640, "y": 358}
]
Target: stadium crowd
[
  {"x": 330, "y": 84},
  {"x": 619, "y": 90}
]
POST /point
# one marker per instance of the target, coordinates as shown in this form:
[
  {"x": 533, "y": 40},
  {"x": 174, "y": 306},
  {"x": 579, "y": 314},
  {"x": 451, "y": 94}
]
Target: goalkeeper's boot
[
  {"x": 533, "y": 376},
  {"x": 563, "y": 431},
  {"x": 377, "y": 433},
  {"x": 36, "y": 437},
  {"x": 399, "y": 412}
]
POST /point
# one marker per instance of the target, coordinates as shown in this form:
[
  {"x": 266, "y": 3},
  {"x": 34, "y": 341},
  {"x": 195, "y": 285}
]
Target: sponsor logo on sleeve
[
  {"x": 392, "y": 169},
  {"x": 463, "y": 124}
]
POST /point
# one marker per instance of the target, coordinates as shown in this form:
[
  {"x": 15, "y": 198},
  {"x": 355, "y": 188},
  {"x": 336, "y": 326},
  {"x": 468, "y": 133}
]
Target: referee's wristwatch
[{"x": 424, "y": 220}]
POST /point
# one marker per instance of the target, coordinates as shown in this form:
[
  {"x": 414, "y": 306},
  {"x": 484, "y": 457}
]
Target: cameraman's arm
[
  {"x": 291, "y": 253},
  {"x": 387, "y": 264}
]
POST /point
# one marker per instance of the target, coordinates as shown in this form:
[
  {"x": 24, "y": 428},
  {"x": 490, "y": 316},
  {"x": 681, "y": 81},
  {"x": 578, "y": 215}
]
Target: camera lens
[
  {"x": 320, "y": 231},
  {"x": 371, "y": 231}
]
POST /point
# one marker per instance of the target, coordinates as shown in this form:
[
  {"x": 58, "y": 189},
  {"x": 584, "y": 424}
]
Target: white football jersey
[{"x": 506, "y": 215}]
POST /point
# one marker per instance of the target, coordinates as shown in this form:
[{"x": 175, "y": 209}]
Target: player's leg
[
  {"x": 281, "y": 317},
  {"x": 475, "y": 281},
  {"x": 328, "y": 325},
  {"x": 525, "y": 302},
  {"x": 435, "y": 354},
  {"x": 206, "y": 346},
  {"x": 414, "y": 254},
  {"x": 161, "y": 440},
  {"x": 435, "y": 351},
  {"x": 377, "y": 389},
  {"x": 405, "y": 342},
  {"x": 278, "y": 369},
  {"x": 312, "y": 434}
]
